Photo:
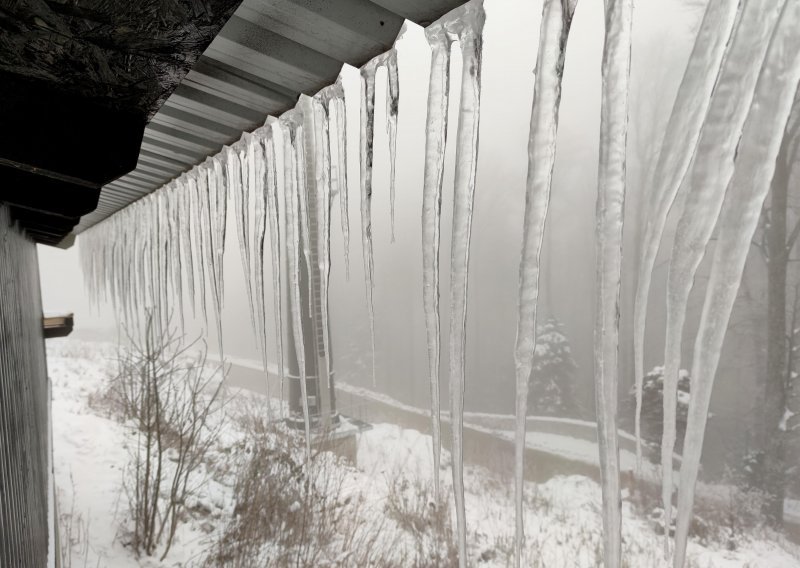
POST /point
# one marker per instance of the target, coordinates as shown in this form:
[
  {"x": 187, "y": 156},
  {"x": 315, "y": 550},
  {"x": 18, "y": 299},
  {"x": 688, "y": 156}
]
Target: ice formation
[
  {"x": 435, "y": 143},
  {"x": 715, "y": 164},
  {"x": 702, "y": 192},
  {"x": 610, "y": 209},
  {"x": 758, "y": 148},
  {"x": 677, "y": 148},
  {"x": 553, "y": 35}
]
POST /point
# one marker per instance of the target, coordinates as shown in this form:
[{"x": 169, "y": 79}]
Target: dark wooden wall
[{"x": 24, "y": 403}]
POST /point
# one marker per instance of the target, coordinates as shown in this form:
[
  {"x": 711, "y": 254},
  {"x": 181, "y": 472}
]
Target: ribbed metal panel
[
  {"x": 24, "y": 422},
  {"x": 268, "y": 53}
]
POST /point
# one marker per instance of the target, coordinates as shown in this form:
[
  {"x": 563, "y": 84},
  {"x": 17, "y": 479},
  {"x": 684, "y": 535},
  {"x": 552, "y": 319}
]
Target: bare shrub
[
  {"x": 73, "y": 533},
  {"x": 412, "y": 505},
  {"x": 171, "y": 399},
  {"x": 290, "y": 511}
]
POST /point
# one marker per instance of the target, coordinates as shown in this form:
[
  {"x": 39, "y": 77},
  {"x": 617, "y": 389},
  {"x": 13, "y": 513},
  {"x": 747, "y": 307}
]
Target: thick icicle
[
  {"x": 187, "y": 253},
  {"x": 680, "y": 140},
  {"x": 554, "y": 31},
  {"x": 754, "y": 167},
  {"x": 704, "y": 189},
  {"x": 610, "y": 209},
  {"x": 217, "y": 210},
  {"x": 258, "y": 192},
  {"x": 341, "y": 153},
  {"x": 392, "y": 109},
  {"x": 302, "y": 109},
  {"x": 197, "y": 240},
  {"x": 435, "y": 145},
  {"x": 211, "y": 173},
  {"x": 173, "y": 200},
  {"x": 292, "y": 139},
  {"x": 241, "y": 210},
  {"x": 467, "y": 23},
  {"x": 367, "y": 140},
  {"x": 273, "y": 213},
  {"x": 322, "y": 171}
]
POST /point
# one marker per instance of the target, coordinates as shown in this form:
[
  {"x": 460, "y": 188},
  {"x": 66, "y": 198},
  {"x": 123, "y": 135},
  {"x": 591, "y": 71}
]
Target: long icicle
[
  {"x": 197, "y": 241},
  {"x": 470, "y": 28},
  {"x": 704, "y": 189},
  {"x": 341, "y": 149},
  {"x": 754, "y": 168},
  {"x": 610, "y": 209},
  {"x": 218, "y": 212},
  {"x": 680, "y": 141},
  {"x": 392, "y": 110},
  {"x": 367, "y": 141},
  {"x": 553, "y": 35},
  {"x": 435, "y": 145},
  {"x": 304, "y": 108},
  {"x": 273, "y": 213},
  {"x": 186, "y": 239},
  {"x": 292, "y": 140},
  {"x": 322, "y": 166},
  {"x": 257, "y": 262},
  {"x": 211, "y": 232},
  {"x": 243, "y": 182}
]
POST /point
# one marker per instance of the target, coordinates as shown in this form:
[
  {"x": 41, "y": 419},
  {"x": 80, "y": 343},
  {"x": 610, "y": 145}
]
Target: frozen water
[
  {"x": 680, "y": 140},
  {"x": 541, "y": 158},
  {"x": 610, "y": 208},
  {"x": 703, "y": 190},
  {"x": 755, "y": 163},
  {"x": 435, "y": 143}
]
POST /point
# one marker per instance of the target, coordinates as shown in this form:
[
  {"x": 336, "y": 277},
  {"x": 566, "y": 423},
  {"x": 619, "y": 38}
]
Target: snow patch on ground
[{"x": 563, "y": 523}]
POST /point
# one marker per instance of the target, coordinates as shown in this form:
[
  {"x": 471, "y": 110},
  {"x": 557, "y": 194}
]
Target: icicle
[
  {"x": 292, "y": 140},
  {"x": 467, "y": 24},
  {"x": 260, "y": 233},
  {"x": 368, "y": 72},
  {"x": 304, "y": 109},
  {"x": 241, "y": 210},
  {"x": 610, "y": 208},
  {"x": 322, "y": 170},
  {"x": 367, "y": 140},
  {"x": 703, "y": 190},
  {"x": 211, "y": 171},
  {"x": 186, "y": 237},
  {"x": 680, "y": 140},
  {"x": 754, "y": 167},
  {"x": 392, "y": 108},
  {"x": 275, "y": 244},
  {"x": 220, "y": 214},
  {"x": 173, "y": 201},
  {"x": 197, "y": 240},
  {"x": 207, "y": 253},
  {"x": 341, "y": 149},
  {"x": 554, "y": 31},
  {"x": 435, "y": 145}
]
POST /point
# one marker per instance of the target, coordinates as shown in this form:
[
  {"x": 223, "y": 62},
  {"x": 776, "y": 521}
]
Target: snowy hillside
[{"x": 386, "y": 501}]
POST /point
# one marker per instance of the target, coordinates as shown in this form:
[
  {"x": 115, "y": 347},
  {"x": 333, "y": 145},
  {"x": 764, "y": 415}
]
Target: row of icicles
[{"x": 736, "y": 93}]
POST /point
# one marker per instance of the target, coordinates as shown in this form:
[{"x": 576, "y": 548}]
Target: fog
[{"x": 663, "y": 36}]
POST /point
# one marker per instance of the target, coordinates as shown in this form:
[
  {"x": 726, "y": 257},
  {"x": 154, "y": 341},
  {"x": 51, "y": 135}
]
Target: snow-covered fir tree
[
  {"x": 653, "y": 409},
  {"x": 552, "y": 389}
]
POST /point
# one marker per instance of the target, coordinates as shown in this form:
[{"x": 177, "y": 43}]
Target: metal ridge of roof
[{"x": 267, "y": 54}]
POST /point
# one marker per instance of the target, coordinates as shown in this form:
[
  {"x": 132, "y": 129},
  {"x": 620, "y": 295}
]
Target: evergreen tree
[{"x": 552, "y": 389}]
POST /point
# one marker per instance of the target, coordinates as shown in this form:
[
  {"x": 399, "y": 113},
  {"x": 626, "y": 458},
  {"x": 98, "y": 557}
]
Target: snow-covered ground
[{"x": 563, "y": 523}]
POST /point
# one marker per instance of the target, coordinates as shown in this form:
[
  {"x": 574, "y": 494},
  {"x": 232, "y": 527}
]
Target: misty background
[{"x": 663, "y": 35}]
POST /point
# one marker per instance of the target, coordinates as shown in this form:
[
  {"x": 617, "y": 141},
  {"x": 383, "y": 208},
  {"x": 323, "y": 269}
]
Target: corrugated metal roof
[{"x": 267, "y": 54}]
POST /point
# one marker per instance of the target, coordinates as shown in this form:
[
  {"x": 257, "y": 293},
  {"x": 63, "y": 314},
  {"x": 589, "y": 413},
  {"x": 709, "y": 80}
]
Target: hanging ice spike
[
  {"x": 555, "y": 26},
  {"x": 678, "y": 146},
  {"x": 703, "y": 190}
]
